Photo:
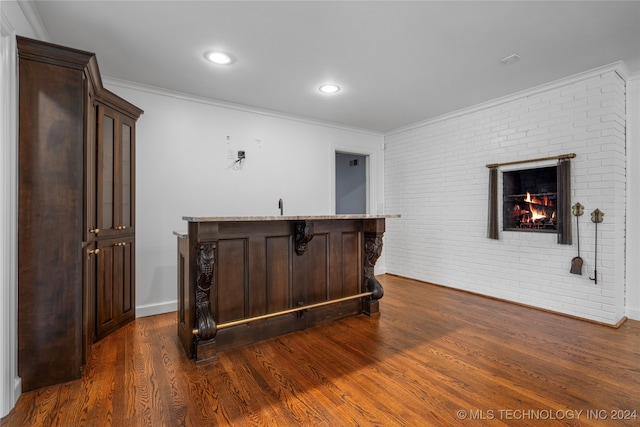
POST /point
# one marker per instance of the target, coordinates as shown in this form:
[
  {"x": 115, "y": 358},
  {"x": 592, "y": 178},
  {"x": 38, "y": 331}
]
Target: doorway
[{"x": 351, "y": 183}]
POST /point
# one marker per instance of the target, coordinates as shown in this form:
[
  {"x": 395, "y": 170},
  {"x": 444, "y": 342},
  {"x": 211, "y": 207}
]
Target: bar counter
[{"x": 245, "y": 279}]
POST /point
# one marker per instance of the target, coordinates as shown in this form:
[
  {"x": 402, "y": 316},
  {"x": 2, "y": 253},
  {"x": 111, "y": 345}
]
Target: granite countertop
[{"x": 283, "y": 217}]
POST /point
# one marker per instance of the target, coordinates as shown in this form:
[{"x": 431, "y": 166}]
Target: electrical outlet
[{"x": 241, "y": 154}]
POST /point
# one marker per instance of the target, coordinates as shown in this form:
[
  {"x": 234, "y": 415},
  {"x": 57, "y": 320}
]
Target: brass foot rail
[{"x": 288, "y": 311}]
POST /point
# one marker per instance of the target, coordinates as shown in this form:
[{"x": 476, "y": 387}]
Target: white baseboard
[
  {"x": 633, "y": 313},
  {"x": 153, "y": 309},
  {"x": 17, "y": 390},
  {"x": 10, "y": 398}
]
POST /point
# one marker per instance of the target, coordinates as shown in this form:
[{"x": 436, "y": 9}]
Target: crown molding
[
  {"x": 114, "y": 82},
  {"x": 618, "y": 67}
]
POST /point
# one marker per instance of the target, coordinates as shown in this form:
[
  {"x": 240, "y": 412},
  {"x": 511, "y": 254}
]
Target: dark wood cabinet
[{"x": 62, "y": 225}]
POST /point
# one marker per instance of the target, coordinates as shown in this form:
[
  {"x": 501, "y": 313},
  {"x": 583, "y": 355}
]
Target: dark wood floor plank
[{"x": 433, "y": 356}]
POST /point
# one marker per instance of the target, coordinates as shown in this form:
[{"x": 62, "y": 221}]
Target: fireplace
[{"x": 530, "y": 200}]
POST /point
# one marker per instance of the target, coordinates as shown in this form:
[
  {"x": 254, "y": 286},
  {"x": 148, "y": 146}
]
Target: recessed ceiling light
[
  {"x": 329, "y": 88},
  {"x": 511, "y": 59},
  {"x": 219, "y": 58}
]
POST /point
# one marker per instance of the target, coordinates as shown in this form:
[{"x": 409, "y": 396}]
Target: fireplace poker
[
  {"x": 596, "y": 217},
  {"x": 576, "y": 262}
]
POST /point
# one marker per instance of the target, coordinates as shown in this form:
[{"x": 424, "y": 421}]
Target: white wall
[
  {"x": 633, "y": 198},
  {"x": 183, "y": 169},
  {"x": 435, "y": 177}
]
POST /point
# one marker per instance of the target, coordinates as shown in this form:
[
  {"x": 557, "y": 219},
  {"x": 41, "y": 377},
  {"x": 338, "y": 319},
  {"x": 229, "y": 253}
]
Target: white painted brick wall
[{"x": 435, "y": 177}]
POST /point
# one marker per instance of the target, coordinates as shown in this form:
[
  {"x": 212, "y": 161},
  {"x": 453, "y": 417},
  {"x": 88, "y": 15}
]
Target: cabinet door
[
  {"x": 126, "y": 212},
  {"x": 115, "y": 181},
  {"x": 90, "y": 221},
  {"x": 88, "y": 297},
  {"x": 115, "y": 290}
]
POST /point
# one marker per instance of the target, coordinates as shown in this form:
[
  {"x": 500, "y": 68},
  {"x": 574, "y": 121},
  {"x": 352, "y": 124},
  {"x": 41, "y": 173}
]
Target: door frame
[
  {"x": 373, "y": 175},
  {"x": 367, "y": 160}
]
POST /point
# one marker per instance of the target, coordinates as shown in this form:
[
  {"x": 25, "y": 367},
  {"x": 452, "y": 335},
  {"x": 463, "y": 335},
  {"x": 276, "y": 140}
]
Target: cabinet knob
[
  {"x": 94, "y": 230},
  {"x": 120, "y": 227},
  {"x": 94, "y": 251},
  {"x": 120, "y": 244}
]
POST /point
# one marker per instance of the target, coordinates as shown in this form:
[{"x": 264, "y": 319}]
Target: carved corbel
[
  {"x": 372, "y": 250},
  {"x": 304, "y": 233},
  {"x": 205, "y": 325}
]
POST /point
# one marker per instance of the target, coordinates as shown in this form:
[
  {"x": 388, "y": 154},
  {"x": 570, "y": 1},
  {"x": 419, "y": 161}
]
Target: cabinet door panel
[
  {"x": 126, "y": 185},
  {"x": 115, "y": 293},
  {"x": 105, "y": 315},
  {"x": 89, "y": 275},
  {"x": 90, "y": 166},
  {"x": 107, "y": 171},
  {"x": 116, "y": 159},
  {"x": 127, "y": 306}
]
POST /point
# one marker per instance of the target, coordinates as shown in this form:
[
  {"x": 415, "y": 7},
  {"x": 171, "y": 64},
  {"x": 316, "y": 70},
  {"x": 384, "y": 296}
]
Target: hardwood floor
[{"x": 434, "y": 356}]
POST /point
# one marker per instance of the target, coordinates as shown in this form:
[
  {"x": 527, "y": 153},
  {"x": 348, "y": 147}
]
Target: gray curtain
[
  {"x": 492, "y": 226},
  {"x": 563, "y": 213}
]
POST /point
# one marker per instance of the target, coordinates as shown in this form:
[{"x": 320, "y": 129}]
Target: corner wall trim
[{"x": 10, "y": 382}]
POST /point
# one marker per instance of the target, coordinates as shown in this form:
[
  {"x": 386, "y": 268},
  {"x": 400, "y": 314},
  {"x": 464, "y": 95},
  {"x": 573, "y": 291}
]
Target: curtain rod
[{"x": 560, "y": 157}]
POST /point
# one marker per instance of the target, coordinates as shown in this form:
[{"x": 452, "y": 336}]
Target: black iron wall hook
[{"x": 596, "y": 217}]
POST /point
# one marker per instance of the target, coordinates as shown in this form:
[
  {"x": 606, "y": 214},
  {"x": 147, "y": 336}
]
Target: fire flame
[
  {"x": 544, "y": 201},
  {"x": 536, "y": 213}
]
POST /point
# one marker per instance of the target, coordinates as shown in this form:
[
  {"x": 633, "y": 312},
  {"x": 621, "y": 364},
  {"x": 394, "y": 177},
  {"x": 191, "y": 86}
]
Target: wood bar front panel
[
  {"x": 258, "y": 271},
  {"x": 278, "y": 266},
  {"x": 317, "y": 270},
  {"x": 186, "y": 295},
  {"x": 232, "y": 280},
  {"x": 351, "y": 266}
]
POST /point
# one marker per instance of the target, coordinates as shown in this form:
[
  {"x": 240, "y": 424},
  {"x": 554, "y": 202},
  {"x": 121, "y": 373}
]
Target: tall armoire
[{"x": 76, "y": 211}]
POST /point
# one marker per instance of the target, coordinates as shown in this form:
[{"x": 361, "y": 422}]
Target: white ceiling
[{"x": 397, "y": 62}]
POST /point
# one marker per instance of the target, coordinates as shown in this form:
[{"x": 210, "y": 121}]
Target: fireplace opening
[{"x": 530, "y": 200}]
